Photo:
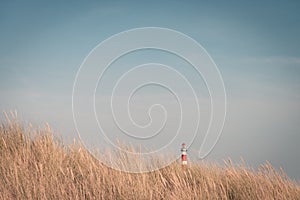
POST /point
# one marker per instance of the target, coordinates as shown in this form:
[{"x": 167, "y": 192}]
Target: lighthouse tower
[{"x": 183, "y": 155}]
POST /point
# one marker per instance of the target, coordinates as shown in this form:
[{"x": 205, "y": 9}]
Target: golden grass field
[{"x": 35, "y": 165}]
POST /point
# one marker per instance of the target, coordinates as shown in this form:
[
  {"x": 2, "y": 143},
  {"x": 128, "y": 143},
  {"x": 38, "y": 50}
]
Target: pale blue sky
[{"x": 255, "y": 45}]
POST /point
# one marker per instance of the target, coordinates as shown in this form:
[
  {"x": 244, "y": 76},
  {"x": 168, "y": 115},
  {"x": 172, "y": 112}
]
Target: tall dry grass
[{"x": 35, "y": 165}]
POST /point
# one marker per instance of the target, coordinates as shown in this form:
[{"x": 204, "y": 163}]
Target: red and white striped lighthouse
[{"x": 183, "y": 155}]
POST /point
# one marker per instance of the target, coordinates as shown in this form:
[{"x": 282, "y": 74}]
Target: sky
[{"x": 255, "y": 45}]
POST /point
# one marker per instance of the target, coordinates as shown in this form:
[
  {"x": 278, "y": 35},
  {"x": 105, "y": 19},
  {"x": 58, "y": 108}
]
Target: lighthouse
[{"x": 183, "y": 155}]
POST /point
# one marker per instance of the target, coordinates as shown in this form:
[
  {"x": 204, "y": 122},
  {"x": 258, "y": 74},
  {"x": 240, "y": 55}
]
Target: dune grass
[{"x": 36, "y": 165}]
